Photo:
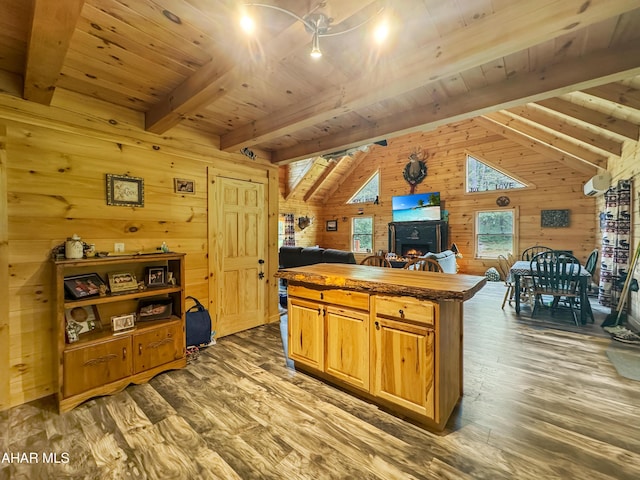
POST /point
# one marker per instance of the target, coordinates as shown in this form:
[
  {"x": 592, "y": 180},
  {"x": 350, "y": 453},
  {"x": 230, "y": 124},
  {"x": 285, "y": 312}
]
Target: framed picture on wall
[
  {"x": 554, "y": 218},
  {"x": 181, "y": 185},
  {"x": 125, "y": 191},
  {"x": 332, "y": 225}
]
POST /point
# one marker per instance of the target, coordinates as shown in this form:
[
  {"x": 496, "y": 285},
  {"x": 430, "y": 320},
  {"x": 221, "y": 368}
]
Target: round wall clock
[{"x": 502, "y": 201}]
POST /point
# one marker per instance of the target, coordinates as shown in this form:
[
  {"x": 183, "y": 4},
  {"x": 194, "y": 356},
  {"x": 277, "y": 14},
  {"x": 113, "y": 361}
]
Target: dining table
[{"x": 522, "y": 268}]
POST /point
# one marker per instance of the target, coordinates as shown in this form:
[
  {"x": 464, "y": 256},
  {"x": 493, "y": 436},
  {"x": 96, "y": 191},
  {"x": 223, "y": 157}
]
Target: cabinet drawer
[
  {"x": 346, "y": 298},
  {"x": 90, "y": 367},
  {"x": 157, "y": 347},
  {"x": 405, "y": 308}
]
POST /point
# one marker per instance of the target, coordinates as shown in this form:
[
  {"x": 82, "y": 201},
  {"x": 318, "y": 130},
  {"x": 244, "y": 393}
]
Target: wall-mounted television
[{"x": 420, "y": 206}]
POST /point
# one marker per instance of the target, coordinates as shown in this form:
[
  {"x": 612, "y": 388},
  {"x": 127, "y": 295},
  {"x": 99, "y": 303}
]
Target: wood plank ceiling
[{"x": 561, "y": 75}]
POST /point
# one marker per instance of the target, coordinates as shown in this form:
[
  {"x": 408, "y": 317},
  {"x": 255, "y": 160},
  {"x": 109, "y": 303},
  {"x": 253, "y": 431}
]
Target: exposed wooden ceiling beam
[
  {"x": 598, "y": 68},
  {"x": 617, "y": 93},
  {"x": 52, "y": 26},
  {"x": 549, "y": 139},
  {"x": 558, "y": 123},
  {"x": 593, "y": 117},
  {"x": 320, "y": 180},
  {"x": 304, "y": 175},
  {"x": 493, "y": 38},
  {"x": 356, "y": 162},
  {"x": 531, "y": 143},
  {"x": 214, "y": 80}
]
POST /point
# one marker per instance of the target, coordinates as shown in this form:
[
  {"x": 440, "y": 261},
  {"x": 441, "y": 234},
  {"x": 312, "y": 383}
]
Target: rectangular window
[
  {"x": 362, "y": 234},
  {"x": 495, "y": 233}
]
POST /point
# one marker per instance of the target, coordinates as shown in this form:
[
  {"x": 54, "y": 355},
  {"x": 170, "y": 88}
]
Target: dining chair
[
  {"x": 556, "y": 274},
  {"x": 504, "y": 267},
  {"x": 376, "y": 261},
  {"x": 590, "y": 266},
  {"x": 531, "y": 252},
  {"x": 424, "y": 265}
]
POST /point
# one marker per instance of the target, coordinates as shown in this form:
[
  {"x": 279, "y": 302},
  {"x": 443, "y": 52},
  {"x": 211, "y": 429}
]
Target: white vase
[{"x": 73, "y": 247}]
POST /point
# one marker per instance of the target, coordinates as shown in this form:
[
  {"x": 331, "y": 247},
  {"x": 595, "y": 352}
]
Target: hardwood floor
[{"x": 539, "y": 403}]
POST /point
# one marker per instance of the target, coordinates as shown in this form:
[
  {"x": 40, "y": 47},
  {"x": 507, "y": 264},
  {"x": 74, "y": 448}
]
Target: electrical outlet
[{"x": 118, "y": 247}]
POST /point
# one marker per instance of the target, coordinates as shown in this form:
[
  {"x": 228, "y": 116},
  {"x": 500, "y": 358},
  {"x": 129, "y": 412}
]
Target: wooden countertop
[{"x": 390, "y": 281}]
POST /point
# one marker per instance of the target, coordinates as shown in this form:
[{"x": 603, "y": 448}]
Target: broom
[{"x": 614, "y": 317}]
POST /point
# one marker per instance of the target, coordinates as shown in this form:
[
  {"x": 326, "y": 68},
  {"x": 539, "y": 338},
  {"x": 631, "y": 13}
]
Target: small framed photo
[
  {"x": 81, "y": 320},
  {"x": 156, "y": 276},
  {"x": 123, "y": 323},
  {"x": 81, "y": 286},
  {"x": 181, "y": 185},
  {"x": 125, "y": 191},
  {"x": 154, "y": 309},
  {"x": 332, "y": 225},
  {"x": 122, "y": 282}
]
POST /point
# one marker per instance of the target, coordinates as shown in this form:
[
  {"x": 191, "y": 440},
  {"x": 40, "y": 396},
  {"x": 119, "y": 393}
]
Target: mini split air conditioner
[{"x": 597, "y": 185}]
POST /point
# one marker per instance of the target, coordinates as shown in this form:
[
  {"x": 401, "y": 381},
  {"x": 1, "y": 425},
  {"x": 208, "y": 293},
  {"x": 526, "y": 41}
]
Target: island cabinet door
[
  {"x": 347, "y": 352},
  {"x": 403, "y": 370},
  {"x": 306, "y": 332}
]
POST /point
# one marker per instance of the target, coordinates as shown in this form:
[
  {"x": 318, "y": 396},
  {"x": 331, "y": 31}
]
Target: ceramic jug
[{"x": 73, "y": 247}]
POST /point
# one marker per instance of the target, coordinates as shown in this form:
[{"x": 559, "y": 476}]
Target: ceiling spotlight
[
  {"x": 247, "y": 24},
  {"x": 381, "y": 33},
  {"x": 318, "y": 24},
  {"x": 315, "y": 48}
]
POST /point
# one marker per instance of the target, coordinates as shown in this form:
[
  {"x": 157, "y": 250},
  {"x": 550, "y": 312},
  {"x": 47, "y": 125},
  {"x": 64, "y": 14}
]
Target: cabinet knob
[
  {"x": 401, "y": 312},
  {"x": 139, "y": 349},
  {"x": 124, "y": 353},
  {"x": 377, "y": 324}
]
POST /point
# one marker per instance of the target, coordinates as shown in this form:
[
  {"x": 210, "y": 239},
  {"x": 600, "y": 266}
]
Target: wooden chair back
[
  {"x": 504, "y": 267},
  {"x": 531, "y": 252},
  {"x": 592, "y": 261},
  {"x": 376, "y": 261},
  {"x": 424, "y": 265},
  {"x": 555, "y": 273}
]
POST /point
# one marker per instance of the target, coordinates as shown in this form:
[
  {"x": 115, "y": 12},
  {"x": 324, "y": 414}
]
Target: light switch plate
[{"x": 118, "y": 247}]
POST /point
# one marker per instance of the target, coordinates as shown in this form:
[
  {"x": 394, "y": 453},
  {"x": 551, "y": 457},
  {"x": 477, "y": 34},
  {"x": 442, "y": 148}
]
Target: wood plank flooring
[{"x": 541, "y": 401}]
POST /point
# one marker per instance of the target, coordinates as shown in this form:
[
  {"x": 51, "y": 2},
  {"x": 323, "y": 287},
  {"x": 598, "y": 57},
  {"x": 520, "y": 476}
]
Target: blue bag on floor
[{"x": 198, "y": 325}]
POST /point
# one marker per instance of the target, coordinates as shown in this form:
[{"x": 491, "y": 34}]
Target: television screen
[{"x": 411, "y": 208}]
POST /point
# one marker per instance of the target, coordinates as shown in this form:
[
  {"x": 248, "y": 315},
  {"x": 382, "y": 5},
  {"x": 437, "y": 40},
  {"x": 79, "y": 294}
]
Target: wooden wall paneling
[
  {"x": 54, "y": 171},
  {"x": 89, "y": 118},
  {"x": 5, "y": 322},
  {"x": 560, "y": 186}
]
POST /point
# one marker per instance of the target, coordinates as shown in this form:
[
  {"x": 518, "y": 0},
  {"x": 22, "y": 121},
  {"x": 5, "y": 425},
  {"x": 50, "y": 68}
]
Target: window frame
[
  {"x": 353, "y": 234},
  {"x": 515, "y": 212},
  {"x": 364, "y": 184},
  {"x": 527, "y": 184}
]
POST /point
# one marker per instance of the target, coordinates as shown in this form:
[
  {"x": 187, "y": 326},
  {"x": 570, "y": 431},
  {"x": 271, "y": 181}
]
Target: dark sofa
[{"x": 301, "y": 256}]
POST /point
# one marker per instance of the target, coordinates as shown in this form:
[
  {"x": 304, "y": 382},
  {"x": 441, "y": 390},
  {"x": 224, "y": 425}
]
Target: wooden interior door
[{"x": 238, "y": 248}]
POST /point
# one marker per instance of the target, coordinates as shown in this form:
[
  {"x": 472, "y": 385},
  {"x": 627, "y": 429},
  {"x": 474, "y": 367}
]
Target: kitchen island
[{"x": 391, "y": 336}]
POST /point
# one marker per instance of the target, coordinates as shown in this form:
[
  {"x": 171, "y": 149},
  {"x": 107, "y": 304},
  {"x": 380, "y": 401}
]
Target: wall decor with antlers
[{"x": 415, "y": 171}]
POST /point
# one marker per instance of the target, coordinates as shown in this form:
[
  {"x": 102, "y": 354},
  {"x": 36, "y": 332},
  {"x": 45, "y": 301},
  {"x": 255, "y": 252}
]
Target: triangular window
[
  {"x": 369, "y": 191},
  {"x": 482, "y": 177}
]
